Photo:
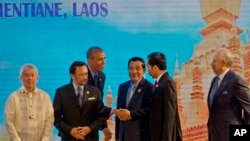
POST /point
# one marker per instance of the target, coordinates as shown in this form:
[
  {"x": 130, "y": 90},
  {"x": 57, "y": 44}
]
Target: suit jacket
[
  {"x": 230, "y": 98},
  {"x": 69, "y": 114},
  {"x": 101, "y": 80},
  {"x": 164, "y": 117},
  {"x": 135, "y": 129}
]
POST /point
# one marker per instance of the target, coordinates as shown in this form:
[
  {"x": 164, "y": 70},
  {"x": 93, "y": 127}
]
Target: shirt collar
[
  {"x": 159, "y": 77},
  {"x": 92, "y": 72},
  {"x": 24, "y": 90},
  {"x": 75, "y": 87},
  {"x": 221, "y": 76},
  {"x": 135, "y": 84}
]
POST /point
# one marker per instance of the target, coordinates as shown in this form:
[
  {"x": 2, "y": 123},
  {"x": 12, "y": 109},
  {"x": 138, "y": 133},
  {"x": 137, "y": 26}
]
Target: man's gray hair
[
  {"x": 226, "y": 55},
  {"x": 27, "y": 66}
]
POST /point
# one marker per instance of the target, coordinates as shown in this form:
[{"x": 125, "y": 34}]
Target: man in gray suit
[
  {"x": 134, "y": 98},
  {"x": 228, "y": 96},
  {"x": 78, "y": 107}
]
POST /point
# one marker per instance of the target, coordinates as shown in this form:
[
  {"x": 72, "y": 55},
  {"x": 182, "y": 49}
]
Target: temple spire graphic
[
  {"x": 178, "y": 88},
  {"x": 220, "y": 31}
]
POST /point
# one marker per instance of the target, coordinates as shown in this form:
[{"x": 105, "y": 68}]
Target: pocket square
[
  {"x": 91, "y": 98},
  {"x": 224, "y": 93}
]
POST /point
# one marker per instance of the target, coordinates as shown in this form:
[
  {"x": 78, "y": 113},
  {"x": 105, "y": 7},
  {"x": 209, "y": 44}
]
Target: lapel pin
[{"x": 139, "y": 90}]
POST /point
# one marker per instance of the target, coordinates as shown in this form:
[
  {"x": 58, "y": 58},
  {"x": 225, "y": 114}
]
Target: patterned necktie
[
  {"x": 214, "y": 89},
  {"x": 130, "y": 94},
  {"x": 79, "y": 96},
  {"x": 155, "y": 85}
]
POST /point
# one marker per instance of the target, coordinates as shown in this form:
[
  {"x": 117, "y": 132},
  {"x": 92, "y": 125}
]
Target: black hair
[
  {"x": 72, "y": 69},
  {"x": 92, "y": 50},
  {"x": 137, "y": 59},
  {"x": 158, "y": 59}
]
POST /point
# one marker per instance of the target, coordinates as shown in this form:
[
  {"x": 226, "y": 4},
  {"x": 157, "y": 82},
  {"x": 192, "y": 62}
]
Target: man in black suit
[
  {"x": 228, "y": 96},
  {"x": 164, "y": 121},
  {"x": 78, "y": 107},
  {"x": 96, "y": 61},
  {"x": 134, "y": 98}
]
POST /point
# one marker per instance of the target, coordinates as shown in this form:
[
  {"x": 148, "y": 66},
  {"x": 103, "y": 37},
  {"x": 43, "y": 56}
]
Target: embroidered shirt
[{"x": 29, "y": 115}]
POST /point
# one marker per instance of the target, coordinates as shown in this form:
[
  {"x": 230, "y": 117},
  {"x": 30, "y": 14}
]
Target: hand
[
  {"x": 125, "y": 115},
  {"x": 74, "y": 133},
  {"x": 122, "y": 114},
  {"x": 107, "y": 134},
  {"x": 83, "y": 131}
]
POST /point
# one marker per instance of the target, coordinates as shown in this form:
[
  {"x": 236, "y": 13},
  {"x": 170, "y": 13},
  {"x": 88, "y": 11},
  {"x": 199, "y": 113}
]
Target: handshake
[{"x": 122, "y": 114}]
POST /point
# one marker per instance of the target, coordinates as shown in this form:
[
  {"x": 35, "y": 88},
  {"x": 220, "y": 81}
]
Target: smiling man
[
  {"x": 134, "y": 97},
  {"x": 29, "y": 112},
  {"x": 96, "y": 77}
]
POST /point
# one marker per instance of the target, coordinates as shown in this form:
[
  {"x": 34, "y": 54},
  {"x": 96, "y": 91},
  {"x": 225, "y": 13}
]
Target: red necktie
[{"x": 155, "y": 85}]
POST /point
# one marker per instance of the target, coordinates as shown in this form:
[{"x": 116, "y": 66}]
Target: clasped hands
[
  {"x": 122, "y": 114},
  {"x": 80, "y": 132}
]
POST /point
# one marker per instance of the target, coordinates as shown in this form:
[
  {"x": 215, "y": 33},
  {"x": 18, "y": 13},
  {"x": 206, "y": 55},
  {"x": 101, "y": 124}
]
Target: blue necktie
[
  {"x": 214, "y": 89},
  {"x": 130, "y": 94}
]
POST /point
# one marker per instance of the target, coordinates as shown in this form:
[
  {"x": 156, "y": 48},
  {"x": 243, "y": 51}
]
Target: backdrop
[{"x": 53, "y": 34}]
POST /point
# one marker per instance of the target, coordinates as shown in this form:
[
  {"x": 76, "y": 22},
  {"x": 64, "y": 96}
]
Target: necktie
[
  {"x": 155, "y": 85},
  {"x": 96, "y": 80},
  {"x": 79, "y": 96},
  {"x": 214, "y": 89},
  {"x": 130, "y": 94}
]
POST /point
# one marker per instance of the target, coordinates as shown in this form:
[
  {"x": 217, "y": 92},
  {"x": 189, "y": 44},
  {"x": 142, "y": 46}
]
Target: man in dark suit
[
  {"x": 78, "y": 107},
  {"x": 134, "y": 98},
  {"x": 163, "y": 116},
  {"x": 96, "y": 61},
  {"x": 228, "y": 97}
]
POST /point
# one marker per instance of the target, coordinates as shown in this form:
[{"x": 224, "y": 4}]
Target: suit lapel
[
  {"x": 90, "y": 78},
  {"x": 86, "y": 94},
  {"x": 209, "y": 92},
  {"x": 101, "y": 79},
  {"x": 223, "y": 84},
  {"x": 137, "y": 92},
  {"x": 124, "y": 94},
  {"x": 72, "y": 95},
  {"x": 163, "y": 77}
]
